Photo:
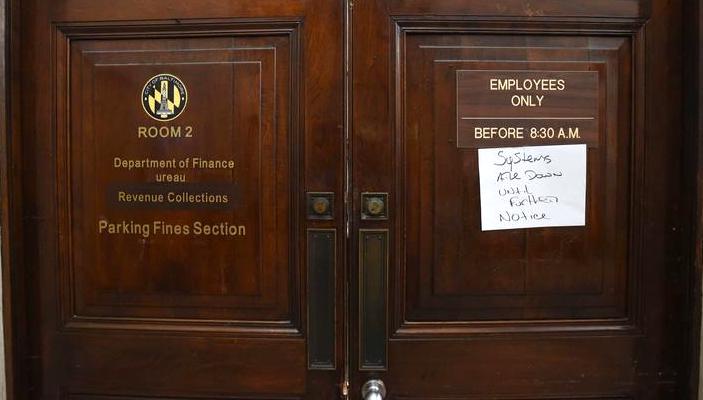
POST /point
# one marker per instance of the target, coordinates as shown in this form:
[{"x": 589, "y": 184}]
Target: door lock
[
  {"x": 320, "y": 205},
  {"x": 374, "y": 206}
]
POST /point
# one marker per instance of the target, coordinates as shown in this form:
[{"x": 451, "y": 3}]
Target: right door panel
[
  {"x": 448, "y": 310},
  {"x": 453, "y": 270}
]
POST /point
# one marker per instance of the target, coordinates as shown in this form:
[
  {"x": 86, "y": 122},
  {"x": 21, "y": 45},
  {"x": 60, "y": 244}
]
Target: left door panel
[{"x": 167, "y": 149}]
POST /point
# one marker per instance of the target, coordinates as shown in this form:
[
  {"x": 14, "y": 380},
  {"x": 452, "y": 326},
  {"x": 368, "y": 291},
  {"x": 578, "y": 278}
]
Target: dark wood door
[
  {"x": 199, "y": 209},
  {"x": 447, "y": 309},
  {"x": 166, "y": 151}
]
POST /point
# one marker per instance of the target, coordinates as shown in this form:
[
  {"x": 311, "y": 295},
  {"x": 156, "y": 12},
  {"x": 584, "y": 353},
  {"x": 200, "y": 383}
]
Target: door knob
[{"x": 373, "y": 390}]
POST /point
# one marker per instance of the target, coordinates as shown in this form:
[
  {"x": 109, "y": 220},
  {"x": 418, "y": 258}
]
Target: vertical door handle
[{"x": 373, "y": 390}]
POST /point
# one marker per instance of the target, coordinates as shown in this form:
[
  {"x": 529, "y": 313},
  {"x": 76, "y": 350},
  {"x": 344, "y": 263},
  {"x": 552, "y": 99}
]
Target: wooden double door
[{"x": 268, "y": 199}]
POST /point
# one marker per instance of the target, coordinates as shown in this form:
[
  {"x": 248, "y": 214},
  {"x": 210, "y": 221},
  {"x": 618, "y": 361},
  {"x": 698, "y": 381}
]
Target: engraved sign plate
[{"x": 516, "y": 108}]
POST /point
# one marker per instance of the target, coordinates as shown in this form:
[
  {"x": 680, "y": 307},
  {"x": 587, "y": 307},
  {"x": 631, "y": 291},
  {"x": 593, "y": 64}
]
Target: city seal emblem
[{"x": 164, "y": 97}]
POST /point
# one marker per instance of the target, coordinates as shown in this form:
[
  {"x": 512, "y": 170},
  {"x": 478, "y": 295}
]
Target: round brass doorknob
[{"x": 375, "y": 206}]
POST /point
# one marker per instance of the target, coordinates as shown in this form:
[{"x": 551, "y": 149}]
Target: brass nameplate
[{"x": 498, "y": 108}]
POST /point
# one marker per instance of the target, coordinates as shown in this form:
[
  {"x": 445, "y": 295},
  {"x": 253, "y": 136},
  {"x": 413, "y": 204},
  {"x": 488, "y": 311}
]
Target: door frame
[
  {"x": 13, "y": 275},
  {"x": 692, "y": 47},
  {"x": 11, "y": 317},
  {"x": 14, "y": 313}
]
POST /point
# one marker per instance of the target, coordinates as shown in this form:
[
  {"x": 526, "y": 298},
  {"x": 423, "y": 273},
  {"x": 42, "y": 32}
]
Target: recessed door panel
[
  {"x": 190, "y": 218},
  {"x": 452, "y": 270}
]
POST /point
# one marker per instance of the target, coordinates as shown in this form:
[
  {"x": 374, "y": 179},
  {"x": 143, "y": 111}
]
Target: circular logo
[{"x": 164, "y": 97}]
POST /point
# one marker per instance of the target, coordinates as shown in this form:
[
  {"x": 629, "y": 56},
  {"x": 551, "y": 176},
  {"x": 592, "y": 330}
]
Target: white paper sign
[{"x": 532, "y": 187}]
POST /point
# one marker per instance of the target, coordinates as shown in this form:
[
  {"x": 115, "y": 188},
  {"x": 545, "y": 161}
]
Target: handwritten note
[{"x": 532, "y": 187}]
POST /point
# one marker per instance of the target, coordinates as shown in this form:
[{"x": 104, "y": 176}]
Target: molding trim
[
  {"x": 693, "y": 123},
  {"x": 11, "y": 346}
]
